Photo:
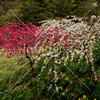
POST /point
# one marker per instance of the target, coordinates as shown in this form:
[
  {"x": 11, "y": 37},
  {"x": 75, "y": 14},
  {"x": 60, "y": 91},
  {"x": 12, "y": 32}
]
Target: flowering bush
[{"x": 54, "y": 48}]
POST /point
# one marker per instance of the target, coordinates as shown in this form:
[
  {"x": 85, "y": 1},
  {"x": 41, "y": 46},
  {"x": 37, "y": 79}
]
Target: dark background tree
[{"x": 37, "y": 10}]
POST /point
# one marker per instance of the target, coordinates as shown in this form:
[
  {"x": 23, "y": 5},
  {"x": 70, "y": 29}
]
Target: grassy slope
[{"x": 12, "y": 69}]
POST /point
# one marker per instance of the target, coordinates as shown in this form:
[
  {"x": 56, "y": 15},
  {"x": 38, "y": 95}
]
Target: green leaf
[{"x": 73, "y": 1}]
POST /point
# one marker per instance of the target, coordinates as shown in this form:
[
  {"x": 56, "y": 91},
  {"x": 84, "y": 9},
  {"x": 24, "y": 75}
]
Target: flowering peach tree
[
  {"x": 54, "y": 44},
  {"x": 21, "y": 38},
  {"x": 50, "y": 40}
]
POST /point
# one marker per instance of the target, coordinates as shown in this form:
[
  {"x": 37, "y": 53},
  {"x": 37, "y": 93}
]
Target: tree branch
[{"x": 31, "y": 63}]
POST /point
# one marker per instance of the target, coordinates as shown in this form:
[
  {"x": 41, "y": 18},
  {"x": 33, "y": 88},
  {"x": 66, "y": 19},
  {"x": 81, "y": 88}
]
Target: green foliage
[
  {"x": 97, "y": 53},
  {"x": 37, "y": 10}
]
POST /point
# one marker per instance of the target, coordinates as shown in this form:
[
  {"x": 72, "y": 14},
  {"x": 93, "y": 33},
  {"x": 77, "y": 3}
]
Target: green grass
[{"x": 11, "y": 70}]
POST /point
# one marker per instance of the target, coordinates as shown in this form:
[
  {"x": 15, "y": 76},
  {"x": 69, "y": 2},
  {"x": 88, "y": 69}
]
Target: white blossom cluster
[
  {"x": 80, "y": 32},
  {"x": 84, "y": 40}
]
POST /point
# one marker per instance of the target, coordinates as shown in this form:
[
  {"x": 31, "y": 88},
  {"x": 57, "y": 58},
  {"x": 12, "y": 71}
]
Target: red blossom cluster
[{"x": 14, "y": 37}]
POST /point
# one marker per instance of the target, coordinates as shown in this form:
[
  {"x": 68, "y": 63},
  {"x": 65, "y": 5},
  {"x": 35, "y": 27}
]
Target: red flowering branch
[{"x": 15, "y": 38}]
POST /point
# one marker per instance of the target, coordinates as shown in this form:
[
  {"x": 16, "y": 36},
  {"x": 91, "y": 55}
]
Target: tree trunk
[{"x": 31, "y": 63}]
